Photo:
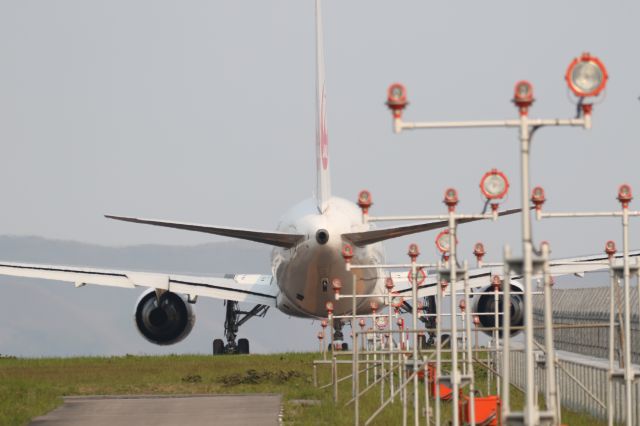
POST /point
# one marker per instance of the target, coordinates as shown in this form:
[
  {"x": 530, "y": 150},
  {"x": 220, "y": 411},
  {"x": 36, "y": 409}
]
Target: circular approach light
[
  {"x": 388, "y": 283},
  {"x": 397, "y": 301},
  {"x": 442, "y": 242},
  {"x": 451, "y": 198},
  {"x": 329, "y": 306},
  {"x": 362, "y": 323},
  {"x": 422, "y": 276},
  {"x": 414, "y": 251},
  {"x": 494, "y": 185},
  {"x": 381, "y": 323},
  {"x": 364, "y": 200},
  {"x": 523, "y": 93},
  {"x": 397, "y": 94},
  {"x": 586, "y": 76},
  {"x": 610, "y": 248},
  {"x": 478, "y": 251}
]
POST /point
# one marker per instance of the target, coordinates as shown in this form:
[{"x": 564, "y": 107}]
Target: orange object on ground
[
  {"x": 487, "y": 410},
  {"x": 446, "y": 393}
]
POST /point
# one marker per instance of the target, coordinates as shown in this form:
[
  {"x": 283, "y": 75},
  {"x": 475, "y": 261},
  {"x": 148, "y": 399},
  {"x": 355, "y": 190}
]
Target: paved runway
[{"x": 187, "y": 410}]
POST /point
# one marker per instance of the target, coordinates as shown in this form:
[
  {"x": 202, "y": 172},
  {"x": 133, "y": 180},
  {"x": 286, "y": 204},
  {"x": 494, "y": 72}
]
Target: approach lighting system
[
  {"x": 496, "y": 283},
  {"x": 320, "y": 335},
  {"x": 462, "y": 305},
  {"x": 364, "y": 201},
  {"x": 374, "y": 306},
  {"x": 478, "y": 251},
  {"x": 624, "y": 195},
  {"x": 537, "y": 197},
  {"x": 523, "y": 96},
  {"x": 329, "y": 307},
  {"x": 362, "y": 323},
  {"x": 324, "y": 323},
  {"x": 494, "y": 185},
  {"x": 347, "y": 253},
  {"x": 397, "y": 99},
  {"x": 421, "y": 274},
  {"x": 336, "y": 284},
  {"x": 586, "y": 76},
  {"x": 381, "y": 323},
  {"x": 397, "y": 301},
  {"x": 413, "y": 252},
  {"x": 388, "y": 283},
  {"x": 442, "y": 242},
  {"x": 610, "y": 248},
  {"x": 451, "y": 198}
]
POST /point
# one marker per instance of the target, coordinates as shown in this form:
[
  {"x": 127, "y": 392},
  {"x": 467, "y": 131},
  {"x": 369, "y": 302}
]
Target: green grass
[{"x": 32, "y": 387}]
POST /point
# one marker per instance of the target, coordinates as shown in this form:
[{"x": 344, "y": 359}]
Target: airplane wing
[
  {"x": 481, "y": 277},
  {"x": 259, "y": 289},
  {"x": 279, "y": 239},
  {"x": 364, "y": 238}
]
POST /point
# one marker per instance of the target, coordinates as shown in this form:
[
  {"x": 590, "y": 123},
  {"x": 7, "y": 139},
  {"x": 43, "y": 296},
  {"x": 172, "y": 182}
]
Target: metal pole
[
  {"x": 354, "y": 367},
  {"x": 530, "y": 409},
  {"x": 506, "y": 335},
  {"x": 414, "y": 340},
  {"x": 335, "y": 380},
  {"x": 551, "y": 390},
  {"x": 455, "y": 380},
  {"x": 628, "y": 371},
  {"x": 470, "y": 370},
  {"x": 391, "y": 380},
  {"x": 610, "y": 403},
  {"x": 436, "y": 379}
]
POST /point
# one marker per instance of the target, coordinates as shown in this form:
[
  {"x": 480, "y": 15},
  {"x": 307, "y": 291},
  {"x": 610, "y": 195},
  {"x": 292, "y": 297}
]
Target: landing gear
[
  {"x": 234, "y": 318},
  {"x": 338, "y": 336}
]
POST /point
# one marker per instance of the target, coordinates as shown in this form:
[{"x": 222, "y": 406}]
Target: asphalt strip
[{"x": 159, "y": 410}]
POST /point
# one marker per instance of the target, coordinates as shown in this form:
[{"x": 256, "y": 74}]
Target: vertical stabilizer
[{"x": 323, "y": 186}]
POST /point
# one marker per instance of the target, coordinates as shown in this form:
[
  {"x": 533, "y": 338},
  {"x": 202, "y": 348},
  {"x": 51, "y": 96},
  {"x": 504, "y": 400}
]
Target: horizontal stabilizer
[
  {"x": 375, "y": 236},
  {"x": 278, "y": 239}
]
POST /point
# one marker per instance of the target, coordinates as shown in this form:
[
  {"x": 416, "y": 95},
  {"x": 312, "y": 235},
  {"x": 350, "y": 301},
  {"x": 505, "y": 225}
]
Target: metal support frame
[
  {"x": 526, "y": 126},
  {"x": 234, "y": 319}
]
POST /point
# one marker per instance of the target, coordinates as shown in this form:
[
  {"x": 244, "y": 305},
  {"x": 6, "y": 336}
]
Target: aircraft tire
[
  {"x": 218, "y": 347},
  {"x": 243, "y": 346}
]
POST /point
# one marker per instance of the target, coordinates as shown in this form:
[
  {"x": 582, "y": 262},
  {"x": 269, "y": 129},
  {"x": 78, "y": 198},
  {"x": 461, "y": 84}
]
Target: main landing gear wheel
[
  {"x": 218, "y": 347},
  {"x": 243, "y": 346},
  {"x": 234, "y": 318}
]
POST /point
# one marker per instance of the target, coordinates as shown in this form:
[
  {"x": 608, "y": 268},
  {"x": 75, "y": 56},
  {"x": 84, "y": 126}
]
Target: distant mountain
[{"x": 46, "y": 318}]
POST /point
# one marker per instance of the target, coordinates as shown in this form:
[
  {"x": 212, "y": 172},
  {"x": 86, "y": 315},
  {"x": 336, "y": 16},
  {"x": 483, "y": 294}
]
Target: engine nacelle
[
  {"x": 164, "y": 323},
  {"x": 485, "y": 304}
]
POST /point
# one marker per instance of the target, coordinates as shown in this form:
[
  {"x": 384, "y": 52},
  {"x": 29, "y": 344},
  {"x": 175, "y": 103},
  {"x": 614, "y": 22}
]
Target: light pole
[{"x": 586, "y": 77}]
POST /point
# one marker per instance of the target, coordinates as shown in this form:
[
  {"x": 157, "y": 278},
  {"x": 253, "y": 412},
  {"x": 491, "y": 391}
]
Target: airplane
[{"x": 306, "y": 257}]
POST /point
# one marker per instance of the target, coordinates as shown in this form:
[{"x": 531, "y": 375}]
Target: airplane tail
[{"x": 323, "y": 185}]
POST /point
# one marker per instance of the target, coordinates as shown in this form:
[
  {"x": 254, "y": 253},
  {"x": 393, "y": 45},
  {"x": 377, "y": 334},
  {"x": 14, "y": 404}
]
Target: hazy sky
[{"x": 203, "y": 111}]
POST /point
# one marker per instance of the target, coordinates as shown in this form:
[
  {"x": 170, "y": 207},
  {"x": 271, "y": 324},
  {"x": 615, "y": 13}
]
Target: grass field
[{"x": 32, "y": 387}]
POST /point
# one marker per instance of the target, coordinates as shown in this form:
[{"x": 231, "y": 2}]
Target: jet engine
[
  {"x": 165, "y": 320},
  {"x": 485, "y": 304}
]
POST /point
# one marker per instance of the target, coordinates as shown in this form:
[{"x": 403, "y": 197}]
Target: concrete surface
[{"x": 187, "y": 410}]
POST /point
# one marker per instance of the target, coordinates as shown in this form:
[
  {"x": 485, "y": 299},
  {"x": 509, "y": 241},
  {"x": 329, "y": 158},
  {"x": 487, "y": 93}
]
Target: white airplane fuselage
[{"x": 304, "y": 272}]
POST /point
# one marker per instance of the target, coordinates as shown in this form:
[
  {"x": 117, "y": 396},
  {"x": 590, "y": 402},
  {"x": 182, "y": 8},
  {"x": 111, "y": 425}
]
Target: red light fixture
[
  {"x": 388, "y": 283},
  {"x": 364, "y": 201},
  {"x": 624, "y": 195},
  {"x": 329, "y": 307},
  {"x": 610, "y": 248},
  {"x": 413, "y": 252},
  {"x": 586, "y": 76},
  {"x": 494, "y": 185},
  {"x": 451, "y": 199},
  {"x": 478, "y": 251},
  {"x": 523, "y": 96},
  {"x": 397, "y": 99}
]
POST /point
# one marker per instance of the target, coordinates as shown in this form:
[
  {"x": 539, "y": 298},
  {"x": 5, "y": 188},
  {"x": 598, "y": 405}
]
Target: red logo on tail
[{"x": 324, "y": 137}]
